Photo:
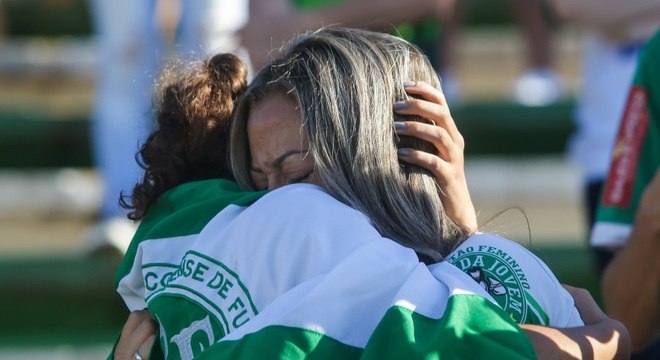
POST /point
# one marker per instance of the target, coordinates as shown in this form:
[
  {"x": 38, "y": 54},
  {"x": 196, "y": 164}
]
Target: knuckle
[
  {"x": 460, "y": 141},
  {"x": 434, "y": 163}
]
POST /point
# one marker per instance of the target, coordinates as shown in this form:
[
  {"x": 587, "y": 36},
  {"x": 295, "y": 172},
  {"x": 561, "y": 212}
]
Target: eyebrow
[{"x": 277, "y": 163}]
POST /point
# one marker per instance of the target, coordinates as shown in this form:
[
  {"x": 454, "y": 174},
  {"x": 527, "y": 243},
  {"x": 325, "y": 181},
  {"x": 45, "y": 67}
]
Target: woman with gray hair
[
  {"x": 338, "y": 79},
  {"x": 294, "y": 273}
]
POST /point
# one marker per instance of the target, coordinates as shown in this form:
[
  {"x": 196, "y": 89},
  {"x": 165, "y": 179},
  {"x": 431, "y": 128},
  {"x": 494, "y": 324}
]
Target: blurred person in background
[
  {"x": 131, "y": 37},
  {"x": 271, "y": 22},
  {"x": 621, "y": 92},
  {"x": 612, "y": 37},
  {"x": 627, "y": 220},
  {"x": 631, "y": 282},
  {"x": 540, "y": 84}
]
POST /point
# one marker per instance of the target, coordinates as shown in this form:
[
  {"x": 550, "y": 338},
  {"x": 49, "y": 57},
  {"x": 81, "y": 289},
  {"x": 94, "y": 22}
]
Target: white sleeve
[
  {"x": 131, "y": 287},
  {"x": 610, "y": 234},
  {"x": 518, "y": 280}
]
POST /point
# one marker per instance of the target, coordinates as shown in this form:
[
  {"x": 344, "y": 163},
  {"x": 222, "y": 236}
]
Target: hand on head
[{"x": 447, "y": 162}]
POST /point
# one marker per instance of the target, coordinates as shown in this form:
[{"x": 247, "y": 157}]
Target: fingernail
[
  {"x": 399, "y": 125},
  {"x": 400, "y": 105},
  {"x": 409, "y": 83},
  {"x": 403, "y": 152}
]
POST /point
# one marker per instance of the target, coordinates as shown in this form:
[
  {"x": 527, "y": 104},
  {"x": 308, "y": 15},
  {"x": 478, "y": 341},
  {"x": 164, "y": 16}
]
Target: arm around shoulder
[{"x": 600, "y": 338}]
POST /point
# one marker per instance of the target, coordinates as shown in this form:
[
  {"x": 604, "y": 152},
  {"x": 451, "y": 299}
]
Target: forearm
[
  {"x": 631, "y": 290},
  {"x": 607, "y": 339},
  {"x": 459, "y": 207}
]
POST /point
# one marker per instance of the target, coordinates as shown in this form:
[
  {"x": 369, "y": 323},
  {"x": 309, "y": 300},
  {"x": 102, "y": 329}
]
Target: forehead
[
  {"x": 275, "y": 127},
  {"x": 272, "y": 107}
]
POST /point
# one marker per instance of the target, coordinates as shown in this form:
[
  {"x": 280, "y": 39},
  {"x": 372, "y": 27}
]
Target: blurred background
[{"x": 58, "y": 301}]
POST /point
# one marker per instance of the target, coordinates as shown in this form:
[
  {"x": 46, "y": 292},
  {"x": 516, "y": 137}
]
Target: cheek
[
  {"x": 254, "y": 142},
  {"x": 316, "y": 179},
  {"x": 260, "y": 181}
]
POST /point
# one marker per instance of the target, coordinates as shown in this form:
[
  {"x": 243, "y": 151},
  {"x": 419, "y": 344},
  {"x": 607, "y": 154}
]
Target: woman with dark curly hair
[{"x": 193, "y": 108}]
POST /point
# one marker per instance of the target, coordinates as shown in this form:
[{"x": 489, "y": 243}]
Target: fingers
[
  {"x": 134, "y": 321},
  {"x": 444, "y": 135},
  {"x": 145, "y": 348},
  {"x": 438, "y": 167},
  {"x": 425, "y": 91},
  {"x": 139, "y": 326},
  {"x": 432, "y": 106},
  {"x": 446, "y": 163},
  {"x": 589, "y": 310},
  {"x": 138, "y": 334},
  {"x": 445, "y": 145}
]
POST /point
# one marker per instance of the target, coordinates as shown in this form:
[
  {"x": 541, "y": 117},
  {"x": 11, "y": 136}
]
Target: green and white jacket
[{"x": 297, "y": 274}]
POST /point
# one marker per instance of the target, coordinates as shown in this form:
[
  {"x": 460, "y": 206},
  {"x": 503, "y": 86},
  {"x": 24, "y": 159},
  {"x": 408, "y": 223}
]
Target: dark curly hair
[{"x": 193, "y": 105}]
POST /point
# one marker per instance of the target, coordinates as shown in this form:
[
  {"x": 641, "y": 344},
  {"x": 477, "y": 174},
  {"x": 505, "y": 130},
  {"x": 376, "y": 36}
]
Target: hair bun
[{"x": 230, "y": 69}]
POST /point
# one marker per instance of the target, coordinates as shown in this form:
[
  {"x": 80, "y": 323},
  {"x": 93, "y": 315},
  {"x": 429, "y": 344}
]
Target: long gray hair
[{"x": 345, "y": 82}]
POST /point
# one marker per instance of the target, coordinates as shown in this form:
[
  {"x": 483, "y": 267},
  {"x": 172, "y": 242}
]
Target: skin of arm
[
  {"x": 631, "y": 282},
  {"x": 600, "y": 338},
  {"x": 587, "y": 342}
]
